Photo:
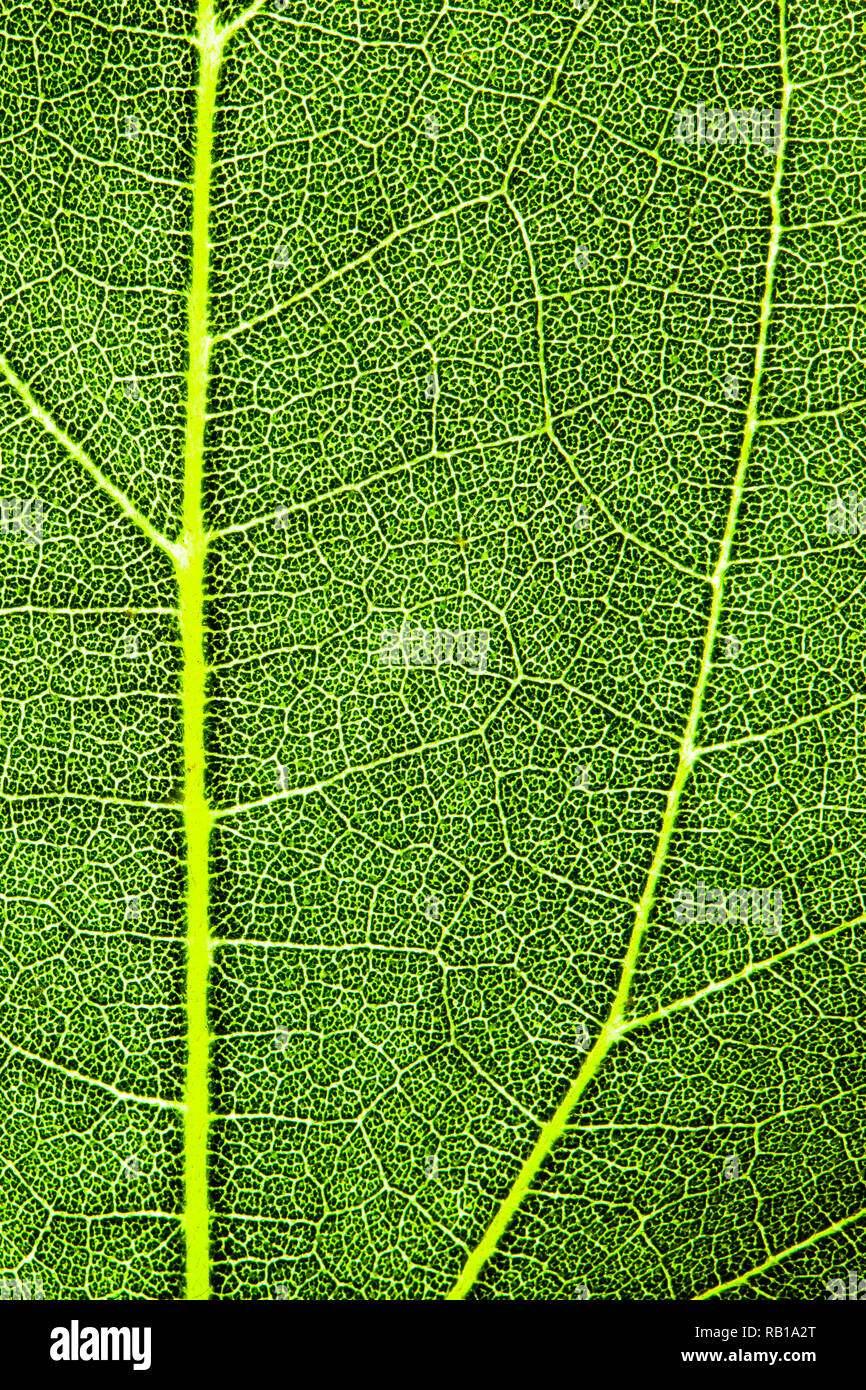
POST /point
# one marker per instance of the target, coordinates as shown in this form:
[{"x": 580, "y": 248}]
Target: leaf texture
[{"x": 337, "y": 338}]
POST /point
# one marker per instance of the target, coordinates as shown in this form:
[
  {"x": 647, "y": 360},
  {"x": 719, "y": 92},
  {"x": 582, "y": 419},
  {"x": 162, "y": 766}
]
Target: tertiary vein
[{"x": 780, "y": 1255}]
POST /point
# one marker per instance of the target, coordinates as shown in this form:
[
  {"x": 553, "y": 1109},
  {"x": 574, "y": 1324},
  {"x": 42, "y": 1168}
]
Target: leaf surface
[{"x": 329, "y": 976}]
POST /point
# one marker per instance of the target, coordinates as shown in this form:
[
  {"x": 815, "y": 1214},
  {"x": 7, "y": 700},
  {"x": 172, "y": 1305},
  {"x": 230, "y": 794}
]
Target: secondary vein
[
  {"x": 127, "y": 507},
  {"x": 689, "y": 753}
]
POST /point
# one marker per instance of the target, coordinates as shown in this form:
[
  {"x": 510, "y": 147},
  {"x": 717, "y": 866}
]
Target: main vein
[
  {"x": 190, "y": 571},
  {"x": 688, "y": 756}
]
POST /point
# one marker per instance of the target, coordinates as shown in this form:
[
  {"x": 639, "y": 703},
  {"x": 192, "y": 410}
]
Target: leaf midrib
[
  {"x": 190, "y": 569},
  {"x": 196, "y": 813}
]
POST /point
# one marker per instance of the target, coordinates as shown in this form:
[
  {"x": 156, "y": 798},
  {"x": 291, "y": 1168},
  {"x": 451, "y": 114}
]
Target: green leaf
[{"x": 432, "y": 563}]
